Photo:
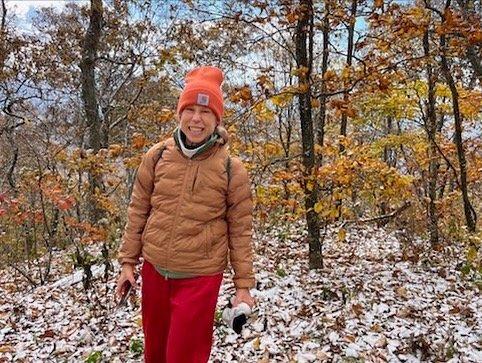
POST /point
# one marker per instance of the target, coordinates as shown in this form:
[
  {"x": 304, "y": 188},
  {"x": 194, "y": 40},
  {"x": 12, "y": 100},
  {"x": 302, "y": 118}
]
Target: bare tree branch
[{"x": 378, "y": 218}]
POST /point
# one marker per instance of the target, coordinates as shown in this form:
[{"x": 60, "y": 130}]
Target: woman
[{"x": 190, "y": 211}]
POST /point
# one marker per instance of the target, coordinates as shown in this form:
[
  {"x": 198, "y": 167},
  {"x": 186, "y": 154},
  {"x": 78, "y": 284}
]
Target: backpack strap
[
  {"x": 158, "y": 156},
  {"x": 155, "y": 159}
]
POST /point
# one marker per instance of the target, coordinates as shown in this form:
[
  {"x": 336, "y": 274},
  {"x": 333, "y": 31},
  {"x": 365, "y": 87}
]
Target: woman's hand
[
  {"x": 127, "y": 274},
  {"x": 243, "y": 295}
]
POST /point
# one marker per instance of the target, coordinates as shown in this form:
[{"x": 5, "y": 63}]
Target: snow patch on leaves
[{"x": 375, "y": 300}]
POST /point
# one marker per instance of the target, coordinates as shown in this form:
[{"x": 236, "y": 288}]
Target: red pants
[{"x": 178, "y": 316}]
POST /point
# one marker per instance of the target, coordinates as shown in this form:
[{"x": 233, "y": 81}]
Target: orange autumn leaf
[
  {"x": 115, "y": 150},
  {"x": 475, "y": 37},
  {"x": 138, "y": 141}
]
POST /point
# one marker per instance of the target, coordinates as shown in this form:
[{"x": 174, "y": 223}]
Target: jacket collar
[{"x": 218, "y": 138}]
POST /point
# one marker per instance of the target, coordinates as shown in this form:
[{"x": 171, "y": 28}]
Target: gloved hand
[{"x": 236, "y": 317}]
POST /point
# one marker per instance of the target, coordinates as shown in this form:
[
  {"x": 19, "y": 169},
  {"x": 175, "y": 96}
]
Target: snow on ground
[{"x": 379, "y": 298}]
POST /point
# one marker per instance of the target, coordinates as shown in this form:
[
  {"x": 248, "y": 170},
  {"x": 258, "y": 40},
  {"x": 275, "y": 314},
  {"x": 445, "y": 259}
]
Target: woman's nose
[{"x": 196, "y": 116}]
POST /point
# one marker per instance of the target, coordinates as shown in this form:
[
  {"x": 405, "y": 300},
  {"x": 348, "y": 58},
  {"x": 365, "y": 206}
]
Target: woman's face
[{"x": 197, "y": 123}]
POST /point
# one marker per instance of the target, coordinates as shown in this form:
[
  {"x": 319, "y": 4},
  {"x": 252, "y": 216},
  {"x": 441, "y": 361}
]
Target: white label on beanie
[{"x": 202, "y": 99}]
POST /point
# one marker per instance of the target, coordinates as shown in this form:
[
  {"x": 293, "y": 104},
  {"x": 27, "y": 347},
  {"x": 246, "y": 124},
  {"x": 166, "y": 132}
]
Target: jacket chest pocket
[
  {"x": 210, "y": 184},
  {"x": 194, "y": 179}
]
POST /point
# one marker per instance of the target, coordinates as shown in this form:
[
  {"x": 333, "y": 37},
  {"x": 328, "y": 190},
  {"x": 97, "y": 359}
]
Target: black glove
[{"x": 236, "y": 317}]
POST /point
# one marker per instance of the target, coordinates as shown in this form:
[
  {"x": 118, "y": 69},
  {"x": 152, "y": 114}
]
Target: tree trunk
[
  {"x": 3, "y": 36},
  {"x": 470, "y": 10},
  {"x": 431, "y": 128},
  {"x": 349, "y": 61},
  {"x": 470, "y": 215},
  {"x": 389, "y": 160},
  {"x": 303, "y": 60},
  {"x": 346, "y": 94},
  {"x": 475, "y": 61},
  {"x": 10, "y": 136},
  {"x": 89, "y": 97},
  {"x": 389, "y": 152},
  {"x": 324, "y": 67}
]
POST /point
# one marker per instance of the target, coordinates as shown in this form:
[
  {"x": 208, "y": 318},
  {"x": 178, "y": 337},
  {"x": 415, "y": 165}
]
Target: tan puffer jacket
[{"x": 196, "y": 220}]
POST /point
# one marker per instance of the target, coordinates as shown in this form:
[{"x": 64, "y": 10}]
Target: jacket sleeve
[
  {"x": 240, "y": 220},
  {"x": 138, "y": 210}
]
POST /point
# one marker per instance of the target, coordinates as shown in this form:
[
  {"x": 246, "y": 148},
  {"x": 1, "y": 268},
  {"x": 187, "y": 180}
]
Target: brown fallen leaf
[
  {"x": 349, "y": 338},
  {"x": 264, "y": 358},
  {"x": 357, "y": 309},
  {"x": 402, "y": 292},
  {"x": 256, "y": 343},
  {"x": 49, "y": 333},
  {"x": 462, "y": 310},
  {"x": 442, "y": 272},
  {"x": 376, "y": 328},
  {"x": 322, "y": 356},
  {"x": 381, "y": 342},
  {"x": 6, "y": 349},
  {"x": 405, "y": 312},
  {"x": 138, "y": 320},
  {"x": 455, "y": 309}
]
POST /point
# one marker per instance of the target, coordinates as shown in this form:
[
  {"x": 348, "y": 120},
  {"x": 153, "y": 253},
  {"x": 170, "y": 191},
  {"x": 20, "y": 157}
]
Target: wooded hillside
[{"x": 347, "y": 114}]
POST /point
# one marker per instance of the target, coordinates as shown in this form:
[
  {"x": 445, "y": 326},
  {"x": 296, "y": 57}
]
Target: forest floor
[{"x": 381, "y": 297}]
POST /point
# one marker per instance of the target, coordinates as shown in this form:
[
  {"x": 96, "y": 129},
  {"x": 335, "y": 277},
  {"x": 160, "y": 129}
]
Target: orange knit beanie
[{"x": 203, "y": 87}]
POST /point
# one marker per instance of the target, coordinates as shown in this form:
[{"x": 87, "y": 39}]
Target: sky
[{"x": 24, "y": 9}]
